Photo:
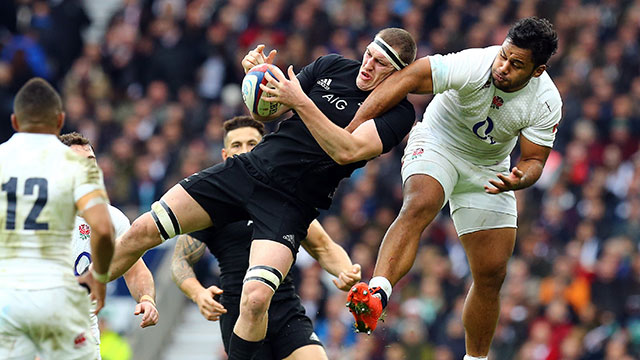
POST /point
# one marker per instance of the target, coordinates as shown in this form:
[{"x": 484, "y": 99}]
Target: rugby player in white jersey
[
  {"x": 486, "y": 99},
  {"x": 44, "y": 184},
  {"x": 138, "y": 278}
]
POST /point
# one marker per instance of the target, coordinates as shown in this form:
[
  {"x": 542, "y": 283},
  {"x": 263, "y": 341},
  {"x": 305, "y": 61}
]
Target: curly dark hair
[
  {"x": 74, "y": 138},
  {"x": 536, "y": 35}
]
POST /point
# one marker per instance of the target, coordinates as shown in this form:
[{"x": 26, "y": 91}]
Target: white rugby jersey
[
  {"x": 81, "y": 239},
  {"x": 81, "y": 250},
  {"x": 41, "y": 180},
  {"x": 479, "y": 122}
]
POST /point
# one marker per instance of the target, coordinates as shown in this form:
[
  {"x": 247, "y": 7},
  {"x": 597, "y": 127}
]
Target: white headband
[{"x": 388, "y": 52}]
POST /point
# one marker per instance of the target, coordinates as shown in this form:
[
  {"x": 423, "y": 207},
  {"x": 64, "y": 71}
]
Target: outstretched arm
[
  {"x": 187, "y": 252},
  {"x": 526, "y": 172},
  {"x": 141, "y": 286},
  {"x": 415, "y": 79},
  {"x": 331, "y": 257},
  {"x": 342, "y": 146}
]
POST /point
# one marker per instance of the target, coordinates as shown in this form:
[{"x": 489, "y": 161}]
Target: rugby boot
[{"x": 365, "y": 306}]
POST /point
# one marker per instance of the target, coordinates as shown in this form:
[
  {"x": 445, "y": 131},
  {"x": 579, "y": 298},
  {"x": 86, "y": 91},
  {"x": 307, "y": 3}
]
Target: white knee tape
[{"x": 268, "y": 275}]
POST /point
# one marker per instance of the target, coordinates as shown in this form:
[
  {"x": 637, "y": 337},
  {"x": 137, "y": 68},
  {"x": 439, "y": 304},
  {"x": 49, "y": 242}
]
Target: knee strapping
[
  {"x": 268, "y": 275},
  {"x": 166, "y": 221}
]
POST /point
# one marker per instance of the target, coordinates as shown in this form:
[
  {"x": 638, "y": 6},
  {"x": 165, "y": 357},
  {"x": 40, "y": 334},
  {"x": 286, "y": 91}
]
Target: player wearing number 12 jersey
[{"x": 44, "y": 183}]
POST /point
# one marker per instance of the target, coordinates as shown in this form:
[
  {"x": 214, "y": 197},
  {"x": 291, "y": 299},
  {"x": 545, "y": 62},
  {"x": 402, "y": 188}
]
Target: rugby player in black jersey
[
  {"x": 283, "y": 181},
  {"x": 290, "y": 332}
]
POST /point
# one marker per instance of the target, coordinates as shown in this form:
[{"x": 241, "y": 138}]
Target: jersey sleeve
[
  {"x": 87, "y": 180},
  {"x": 120, "y": 221},
  {"x": 458, "y": 70},
  {"x": 311, "y": 72},
  {"x": 544, "y": 127},
  {"x": 395, "y": 124}
]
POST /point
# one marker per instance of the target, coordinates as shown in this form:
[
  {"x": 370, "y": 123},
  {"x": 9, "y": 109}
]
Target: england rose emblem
[{"x": 85, "y": 231}]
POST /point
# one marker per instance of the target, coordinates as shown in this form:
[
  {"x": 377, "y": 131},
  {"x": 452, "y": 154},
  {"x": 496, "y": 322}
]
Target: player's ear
[
  {"x": 14, "y": 123},
  {"x": 61, "y": 117},
  {"x": 224, "y": 154},
  {"x": 539, "y": 70}
]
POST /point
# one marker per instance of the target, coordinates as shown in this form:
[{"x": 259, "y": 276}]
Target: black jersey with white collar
[{"x": 294, "y": 160}]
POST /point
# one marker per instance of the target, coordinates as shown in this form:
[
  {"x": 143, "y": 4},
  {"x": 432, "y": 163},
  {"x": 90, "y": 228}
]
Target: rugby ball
[{"x": 252, "y": 94}]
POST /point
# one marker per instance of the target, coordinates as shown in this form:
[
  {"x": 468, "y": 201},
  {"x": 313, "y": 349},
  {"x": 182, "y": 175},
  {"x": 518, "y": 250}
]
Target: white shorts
[
  {"x": 472, "y": 209},
  {"x": 52, "y": 323}
]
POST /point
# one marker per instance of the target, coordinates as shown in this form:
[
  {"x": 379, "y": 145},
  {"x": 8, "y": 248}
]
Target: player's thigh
[
  {"x": 14, "y": 342},
  {"x": 214, "y": 196},
  {"x": 428, "y": 174},
  {"x": 272, "y": 254},
  {"x": 16, "y": 347},
  {"x": 70, "y": 335},
  {"x": 308, "y": 352},
  {"x": 488, "y": 252},
  {"x": 280, "y": 223},
  {"x": 472, "y": 208},
  {"x": 57, "y": 322},
  {"x": 190, "y": 215}
]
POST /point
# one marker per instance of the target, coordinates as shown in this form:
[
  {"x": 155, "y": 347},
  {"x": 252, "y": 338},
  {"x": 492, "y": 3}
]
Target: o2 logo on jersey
[
  {"x": 82, "y": 263},
  {"x": 482, "y": 130}
]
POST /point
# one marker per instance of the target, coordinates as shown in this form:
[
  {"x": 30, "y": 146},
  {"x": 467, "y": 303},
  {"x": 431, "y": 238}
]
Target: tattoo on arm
[{"x": 187, "y": 252}]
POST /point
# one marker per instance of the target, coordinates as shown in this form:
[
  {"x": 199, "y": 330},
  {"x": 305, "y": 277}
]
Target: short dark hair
[
  {"x": 37, "y": 102},
  {"x": 536, "y": 35},
  {"x": 74, "y": 138},
  {"x": 240, "y": 122},
  {"x": 402, "y": 41}
]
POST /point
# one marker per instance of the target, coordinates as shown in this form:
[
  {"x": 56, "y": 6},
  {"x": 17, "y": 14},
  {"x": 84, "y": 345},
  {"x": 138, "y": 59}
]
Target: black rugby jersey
[
  {"x": 230, "y": 245},
  {"x": 293, "y": 159}
]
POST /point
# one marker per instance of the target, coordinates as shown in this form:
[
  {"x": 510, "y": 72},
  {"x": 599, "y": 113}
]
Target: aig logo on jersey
[{"x": 339, "y": 103}]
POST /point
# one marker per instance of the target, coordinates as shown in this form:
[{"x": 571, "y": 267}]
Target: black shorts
[
  {"x": 288, "y": 329},
  {"x": 234, "y": 191}
]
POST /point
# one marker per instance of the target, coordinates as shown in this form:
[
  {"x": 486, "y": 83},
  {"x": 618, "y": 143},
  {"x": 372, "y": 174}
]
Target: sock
[
  {"x": 240, "y": 349},
  {"x": 469, "y": 357},
  {"x": 384, "y": 285}
]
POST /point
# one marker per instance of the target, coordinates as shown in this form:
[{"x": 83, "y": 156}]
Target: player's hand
[
  {"x": 209, "y": 307},
  {"x": 505, "y": 182},
  {"x": 347, "y": 279},
  {"x": 288, "y": 92},
  {"x": 97, "y": 290},
  {"x": 256, "y": 57},
  {"x": 150, "y": 315}
]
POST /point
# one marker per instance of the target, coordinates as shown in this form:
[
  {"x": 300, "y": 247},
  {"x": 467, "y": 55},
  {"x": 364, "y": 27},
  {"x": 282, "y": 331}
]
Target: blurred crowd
[{"x": 152, "y": 90}]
